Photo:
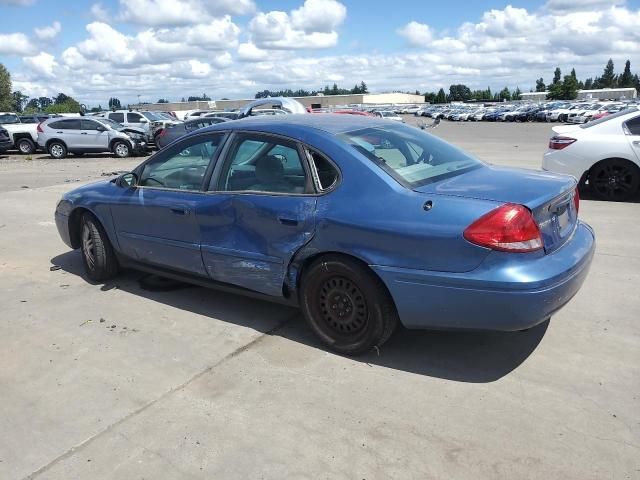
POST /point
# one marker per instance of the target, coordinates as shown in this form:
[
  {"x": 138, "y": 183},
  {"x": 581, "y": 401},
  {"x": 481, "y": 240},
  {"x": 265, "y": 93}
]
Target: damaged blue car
[{"x": 363, "y": 223}]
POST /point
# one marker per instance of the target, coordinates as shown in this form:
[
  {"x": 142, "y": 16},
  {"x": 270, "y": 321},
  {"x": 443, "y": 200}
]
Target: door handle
[
  {"x": 179, "y": 210},
  {"x": 83, "y": 133},
  {"x": 288, "y": 221},
  {"x": 636, "y": 143},
  {"x": 59, "y": 132}
]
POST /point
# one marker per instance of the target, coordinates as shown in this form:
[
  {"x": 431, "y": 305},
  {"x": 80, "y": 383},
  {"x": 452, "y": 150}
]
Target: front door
[
  {"x": 92, "y": 138},
  {"x": 260, "y": 212},
  {"x": 156, "y": 221}
]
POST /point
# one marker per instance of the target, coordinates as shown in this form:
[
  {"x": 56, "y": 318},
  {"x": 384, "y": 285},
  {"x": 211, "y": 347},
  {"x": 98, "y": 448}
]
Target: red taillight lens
[
  {"x": 576, "y": 200},
  {"x": 558, "y": 143},
  {"x": 509, "y": 228},
  {"x": 39, "y": 129},
  {"x": 163, "y": 132}
]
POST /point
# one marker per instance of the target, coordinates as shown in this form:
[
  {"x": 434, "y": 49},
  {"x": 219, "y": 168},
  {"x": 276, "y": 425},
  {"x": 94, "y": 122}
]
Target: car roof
[{"x": 327, "y": 122}]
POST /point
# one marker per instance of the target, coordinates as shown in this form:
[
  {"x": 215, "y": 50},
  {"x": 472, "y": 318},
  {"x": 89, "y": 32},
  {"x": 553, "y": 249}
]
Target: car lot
[{"x": 139, "y": 379}]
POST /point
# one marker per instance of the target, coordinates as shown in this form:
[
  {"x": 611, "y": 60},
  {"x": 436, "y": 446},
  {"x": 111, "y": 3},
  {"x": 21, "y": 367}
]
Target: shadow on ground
[{"x": 474, "y": 357}]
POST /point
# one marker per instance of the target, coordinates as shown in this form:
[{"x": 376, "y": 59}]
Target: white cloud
[
  {"x": 19, "y": 3},
  {"x": 248, "y": 52},
  {"x": 322, "y": 16},
  {"x": 163, "y": 13},
  {"x": 217, "y": 34},
  {"x": 16, "y": 44},
  {"x": 312, "y": 26},
  {"x": 42, "y": 64},
  {"x": 48, "y": 33},
  {"x": 416, "y": 34},
  {"x": 100, "y": 13},
  {"x": 230, "y": 7},
  {"x": 581, "y": 5}
]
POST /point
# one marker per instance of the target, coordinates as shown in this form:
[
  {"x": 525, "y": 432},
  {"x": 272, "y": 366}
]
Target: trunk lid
[{"x": 549, "y": 196}]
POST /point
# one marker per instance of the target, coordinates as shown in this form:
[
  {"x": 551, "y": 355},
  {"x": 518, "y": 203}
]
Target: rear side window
[
  {"x": 325, "y": 172},
  {"x": 633, "y": 125},
  {"x": 66, "y": 125},
  {"x": 117, "y": 117}
]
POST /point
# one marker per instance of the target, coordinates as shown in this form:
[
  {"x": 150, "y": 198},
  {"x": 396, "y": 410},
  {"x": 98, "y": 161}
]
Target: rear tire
[
  {"x": 57, "y": 150},
  {"x": 346, "y": 305},
  {"x": 614, "y": 180},
  {"x": 98, "y": 257},
  {"x": 26, "y": 146}
]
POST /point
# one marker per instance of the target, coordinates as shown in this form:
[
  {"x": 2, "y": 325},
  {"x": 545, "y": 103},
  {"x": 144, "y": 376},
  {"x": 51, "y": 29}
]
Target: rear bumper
[{"x": 507, "y": 292}]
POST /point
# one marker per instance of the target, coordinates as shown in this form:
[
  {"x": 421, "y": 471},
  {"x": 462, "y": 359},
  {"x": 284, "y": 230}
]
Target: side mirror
[
  {"x": 101, "y": 129},
  {"x": 143, "y": 120},
  {"x": 128, "y": 180}
]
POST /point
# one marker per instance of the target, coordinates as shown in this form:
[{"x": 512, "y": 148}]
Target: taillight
[
  {"x": 39, "y": 129},
  {"x": 509, "y": 228},
  {"x": 576, "y": 200},
  {"x": 163, "y": 132},
  {"x": 558, "y": 143}
]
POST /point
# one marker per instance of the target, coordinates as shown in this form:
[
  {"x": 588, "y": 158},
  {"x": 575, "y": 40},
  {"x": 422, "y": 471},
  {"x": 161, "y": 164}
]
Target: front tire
[
  {"x": 98, "y": 257},
  {"x": 57, "y": 150},
  {"x": 614, "y": 180},
  {"x": 26, "y": 146},
  {"x": 346, "y": 305},
  {"x": 121, "y": 149}
]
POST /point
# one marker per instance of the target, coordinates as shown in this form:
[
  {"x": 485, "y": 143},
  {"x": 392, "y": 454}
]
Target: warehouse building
[
  {"x": 596, "y": 94},
  {"x": 315, "y": 101}
]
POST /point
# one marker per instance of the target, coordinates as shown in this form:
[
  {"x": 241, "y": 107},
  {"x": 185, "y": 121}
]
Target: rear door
[
  {"x": 260, "y": 211},
  {"x": 68, "y": 130},
  {"x": 632, "y": 130}
]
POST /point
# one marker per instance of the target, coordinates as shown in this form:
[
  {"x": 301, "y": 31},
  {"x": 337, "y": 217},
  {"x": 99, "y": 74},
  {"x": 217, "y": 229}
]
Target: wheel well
[
  {"x": 588, "y": 172},
  {"x": 75, "y": 225},
  {"x": 116, "y": 140},
  {"x": 311, "y": 259},
  {"x": 20, "y": 136}
]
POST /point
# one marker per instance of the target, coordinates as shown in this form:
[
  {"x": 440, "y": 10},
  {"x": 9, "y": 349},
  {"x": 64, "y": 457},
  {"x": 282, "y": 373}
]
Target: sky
[{"x": 151, "y": 49}]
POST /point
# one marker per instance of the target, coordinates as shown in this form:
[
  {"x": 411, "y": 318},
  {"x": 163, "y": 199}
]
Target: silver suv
[{"x": 79, "y": 135}]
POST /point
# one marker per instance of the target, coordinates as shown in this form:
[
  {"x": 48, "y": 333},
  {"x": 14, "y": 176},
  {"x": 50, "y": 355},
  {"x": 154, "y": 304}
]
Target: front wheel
[
  {"x": 98, "y": 257},
  {"x": 615, "y": 180},
  {"x": 121, "y": 149},
  {"x": 346, "y": 305}
]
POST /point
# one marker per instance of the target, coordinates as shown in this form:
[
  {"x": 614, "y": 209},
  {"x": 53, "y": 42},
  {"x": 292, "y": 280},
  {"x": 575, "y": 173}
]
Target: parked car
[
  {"x": 227, "y": 115},
  {"x": 301, "y": 214},
  {"x": 389, "y": 115},
  {"x": 24, "y": 136},
  {"x": 196, "y": 114},
  {"x": 149, "y": 122},
  {"x": 5, "y": 140},
  {"x": 35, "y": 118},
  {"x": 80, "y": 135},
  {"x": 603, "y": 154},
  {"x": 173, "y": 132}
]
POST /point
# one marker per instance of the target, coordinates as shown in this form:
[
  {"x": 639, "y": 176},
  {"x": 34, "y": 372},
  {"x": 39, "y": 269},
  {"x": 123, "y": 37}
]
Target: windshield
[
  {"x": 109, "y": 123},
  {"x": 411, "y": 156},
  {"x": 6, "y": 118},
  {"x": 151, "y": 116}
]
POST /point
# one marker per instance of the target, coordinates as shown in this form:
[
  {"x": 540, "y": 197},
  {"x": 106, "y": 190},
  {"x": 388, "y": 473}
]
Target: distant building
[
  {"x": 315, "y": 101},
  {"x": 596, "y": 94}
]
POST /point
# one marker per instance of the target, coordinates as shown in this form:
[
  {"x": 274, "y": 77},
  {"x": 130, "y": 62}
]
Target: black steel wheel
[
  {"x": 346, "y": 305},
  {"x": 99, "y": 259},
  {"x": 615, "y": 180}
]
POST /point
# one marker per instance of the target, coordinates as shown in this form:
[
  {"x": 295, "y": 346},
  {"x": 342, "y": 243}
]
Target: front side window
[
  {"x": 263, "y": 165},
  {"x": 89, "y": 125},
  {"x": 414, "y": 158},
  {"x": 183, "y": 166},
  {"x": 117, "y": 117},
  {"x": 133, "y": 117}
]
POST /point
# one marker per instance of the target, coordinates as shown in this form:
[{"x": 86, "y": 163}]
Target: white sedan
[{"x": 603, "y": 154}]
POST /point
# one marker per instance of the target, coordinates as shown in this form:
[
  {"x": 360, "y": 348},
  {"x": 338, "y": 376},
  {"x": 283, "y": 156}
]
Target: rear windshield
[
  {"x": 606, "y": 118},
  {"x": 411, "y": 156}
]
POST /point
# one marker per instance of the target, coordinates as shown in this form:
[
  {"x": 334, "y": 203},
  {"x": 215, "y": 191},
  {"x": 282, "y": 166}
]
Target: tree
[
  {"x": 573, "y": 74},
  {"x": 203, "y": 97},
  {"x": 608, "y": 79},
  {"x": 459, "y": 92},
  {"x": 517, "y": 94},
  {"x": 114, "y": 103},
  {"x": 626, "y": 79},
  {"x": 430, "y": 97},
  {"x": 61, "y": 98},
  {"x": 540, "y": 86},
  {"x": 557, "y": 74},
  {"x": 19, "y": 100},
  {"x": 163, "y": 100},
  {"x": 505, "y": 94},
  {"x": 636, "y": 82},
  {"x": 363, "y": 87},
  {"x": 356, "y": 89},
  {"x": 44, "y": 102},
  {"x": 567, "y": 90},
  {"x": 6, "y": 100},
  {"x": 588, "y": 83},
  {"x": 63, "y": 104},
  {"x": 441, "y": 97}
]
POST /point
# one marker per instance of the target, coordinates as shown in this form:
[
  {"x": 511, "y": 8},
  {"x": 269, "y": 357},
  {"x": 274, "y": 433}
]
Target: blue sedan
[{"x": 361, "y": 222}]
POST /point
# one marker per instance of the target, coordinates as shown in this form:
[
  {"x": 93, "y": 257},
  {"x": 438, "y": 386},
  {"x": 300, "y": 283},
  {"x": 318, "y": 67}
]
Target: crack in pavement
[{"x": 109, "y": 428}]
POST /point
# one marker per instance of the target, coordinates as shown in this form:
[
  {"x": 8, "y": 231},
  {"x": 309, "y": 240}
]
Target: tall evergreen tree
[
  {"x": 626, "y": 79},
  {"x": 608, "y": 79},
  {"x": 557, "y": 74},
  {"x": 540, "y": 86},
  {"x": 588, "y": 83}
]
